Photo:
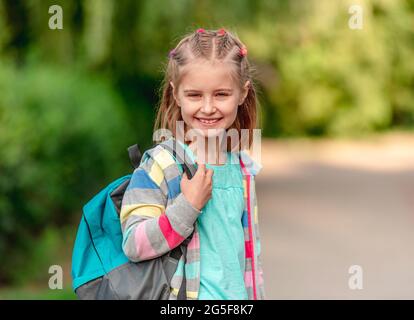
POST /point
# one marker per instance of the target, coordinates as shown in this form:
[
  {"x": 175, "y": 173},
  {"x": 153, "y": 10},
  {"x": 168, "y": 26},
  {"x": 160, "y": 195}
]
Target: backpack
[{"x": 100, "y": 269}]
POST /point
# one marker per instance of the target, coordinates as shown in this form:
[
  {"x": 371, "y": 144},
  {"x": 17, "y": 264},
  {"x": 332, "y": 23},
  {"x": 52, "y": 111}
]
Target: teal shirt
[{"x": 222, "y": 252}]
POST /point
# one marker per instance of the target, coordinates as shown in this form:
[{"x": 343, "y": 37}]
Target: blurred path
[{"x": 327, "y": 205}]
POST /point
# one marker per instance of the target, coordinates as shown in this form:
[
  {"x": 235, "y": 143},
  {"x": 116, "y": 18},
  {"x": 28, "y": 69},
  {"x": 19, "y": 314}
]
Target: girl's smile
[{"x": 209, "y": 122}]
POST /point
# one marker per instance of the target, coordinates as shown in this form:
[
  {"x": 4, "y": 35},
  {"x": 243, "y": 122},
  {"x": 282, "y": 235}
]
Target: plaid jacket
[{"x": 156, "y": 217}]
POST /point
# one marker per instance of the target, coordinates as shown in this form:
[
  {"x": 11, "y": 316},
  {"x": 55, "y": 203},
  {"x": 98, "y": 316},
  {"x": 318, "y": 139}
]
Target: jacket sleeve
[{"x": 151, "y": 228}]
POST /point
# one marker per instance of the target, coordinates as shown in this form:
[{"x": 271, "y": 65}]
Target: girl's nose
[{"x": 208, "y": 106}]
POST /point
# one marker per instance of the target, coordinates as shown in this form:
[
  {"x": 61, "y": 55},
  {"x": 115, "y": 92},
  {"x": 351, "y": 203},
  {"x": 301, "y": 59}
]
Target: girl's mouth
[{"x": 208, "y": 122}]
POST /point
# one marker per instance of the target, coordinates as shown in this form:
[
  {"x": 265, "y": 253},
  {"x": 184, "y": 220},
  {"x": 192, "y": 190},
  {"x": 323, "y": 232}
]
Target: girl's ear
[
  {"x": 173, "y": 90},
  {"x": 245, "y": 91}
]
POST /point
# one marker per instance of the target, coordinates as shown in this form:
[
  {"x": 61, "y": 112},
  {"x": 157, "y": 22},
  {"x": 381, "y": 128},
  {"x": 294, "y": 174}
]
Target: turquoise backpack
[{"x": 100, "y": 269}]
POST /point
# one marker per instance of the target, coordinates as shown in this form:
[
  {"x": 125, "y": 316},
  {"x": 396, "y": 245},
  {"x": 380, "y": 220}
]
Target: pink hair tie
[
  {"x": 243, "y": 51},
  {"x": 221, "y": 32},
  {"x": 200, "y": 30},
  {"x": 171, "y": 53}
]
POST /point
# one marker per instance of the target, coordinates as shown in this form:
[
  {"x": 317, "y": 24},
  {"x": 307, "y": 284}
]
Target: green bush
[{"x": 63, "y": 135}]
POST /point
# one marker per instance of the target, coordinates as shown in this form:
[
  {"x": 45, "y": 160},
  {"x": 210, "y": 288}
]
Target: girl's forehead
[{"x": 203, "y": 75}]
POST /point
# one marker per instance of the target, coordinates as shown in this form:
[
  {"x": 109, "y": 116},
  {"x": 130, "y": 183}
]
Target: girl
[{"x": 208, "y": 86}]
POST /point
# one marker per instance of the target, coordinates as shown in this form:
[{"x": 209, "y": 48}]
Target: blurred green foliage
[
  {"x": 62, "y": 134},
  {"x": 24, "y": 293},
  {"x": 329, "y": 79},
  {"x": 72, "y": 100}
]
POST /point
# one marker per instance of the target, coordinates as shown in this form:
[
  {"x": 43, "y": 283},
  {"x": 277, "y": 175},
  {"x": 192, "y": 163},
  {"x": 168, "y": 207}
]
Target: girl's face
[{"x": 208, "y": 96}]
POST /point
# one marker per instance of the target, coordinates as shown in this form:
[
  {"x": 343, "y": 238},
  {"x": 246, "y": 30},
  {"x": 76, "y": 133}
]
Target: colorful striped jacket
[{"x": 156, "y": 218}]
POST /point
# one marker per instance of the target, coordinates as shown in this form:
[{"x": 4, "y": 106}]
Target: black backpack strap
[
  {"x": 173, "y": 147},
  {"x": 135, "y": 155},
  {"x": 182, "y": 292},
  {"x": 177, "y": 150}
]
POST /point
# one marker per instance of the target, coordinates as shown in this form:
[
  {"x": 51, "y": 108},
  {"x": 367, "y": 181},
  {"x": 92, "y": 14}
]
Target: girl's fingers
[
  {"x": 201, "y": 168},
  {"x": 209, "y": 173}
]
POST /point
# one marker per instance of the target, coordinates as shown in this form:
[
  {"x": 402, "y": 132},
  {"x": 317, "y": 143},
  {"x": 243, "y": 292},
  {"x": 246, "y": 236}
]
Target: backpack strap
[
  {"x": 135, "y": 155},
  {"x": 178, "y": 152},
  {"x": 173, "y": 147}
]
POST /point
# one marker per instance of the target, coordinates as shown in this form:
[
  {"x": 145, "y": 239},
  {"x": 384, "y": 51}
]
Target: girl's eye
[{"x": 198, "y": 95}]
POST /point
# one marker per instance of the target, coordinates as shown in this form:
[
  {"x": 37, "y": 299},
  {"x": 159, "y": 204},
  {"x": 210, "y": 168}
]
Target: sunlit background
[{"x": 337, "y": 112}]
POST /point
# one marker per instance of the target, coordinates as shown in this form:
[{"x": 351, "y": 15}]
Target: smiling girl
[{"x": 208, "y": 86}]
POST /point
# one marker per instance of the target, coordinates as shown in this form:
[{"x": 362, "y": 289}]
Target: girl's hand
[{"x": 197, "y": 191}]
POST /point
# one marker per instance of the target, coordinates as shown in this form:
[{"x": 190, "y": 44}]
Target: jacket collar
[{"x": 252, "y": 166}]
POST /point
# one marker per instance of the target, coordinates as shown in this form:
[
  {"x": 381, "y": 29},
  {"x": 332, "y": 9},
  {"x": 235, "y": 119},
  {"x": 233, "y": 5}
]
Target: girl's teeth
[{"x": 208, "y": 121}]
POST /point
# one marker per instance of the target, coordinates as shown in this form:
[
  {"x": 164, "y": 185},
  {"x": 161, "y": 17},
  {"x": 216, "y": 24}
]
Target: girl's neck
[{"x": 209, "y": 154}]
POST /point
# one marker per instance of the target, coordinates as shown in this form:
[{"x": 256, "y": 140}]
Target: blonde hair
[{"x": 211, "y": 45}]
